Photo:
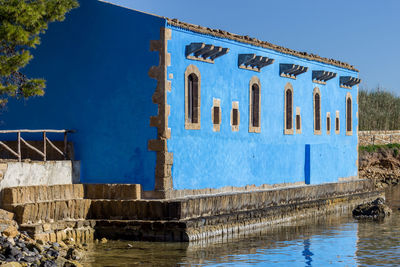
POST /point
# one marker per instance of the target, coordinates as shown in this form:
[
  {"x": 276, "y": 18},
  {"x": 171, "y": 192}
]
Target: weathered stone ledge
[
  {"x": 226, "y": 225},
  {"x": 184, "y": 219}
]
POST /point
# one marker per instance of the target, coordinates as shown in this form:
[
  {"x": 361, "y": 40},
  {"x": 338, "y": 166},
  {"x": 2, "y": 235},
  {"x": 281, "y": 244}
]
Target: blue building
[{"x": 183, "y": 109}]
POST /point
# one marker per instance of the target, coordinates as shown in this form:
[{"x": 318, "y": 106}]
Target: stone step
[
  {"x": 13, "y": 196},
  {"x": 134, "y": 210},
  {"x": 79, "y": 230},
  {"x": 33, "y": 194},
  {"x": 139, "y": 230},
  {"x": 40, "y": 228},
  {"x": 113, "y": 191},
  {"x": 52, "y": 211}
]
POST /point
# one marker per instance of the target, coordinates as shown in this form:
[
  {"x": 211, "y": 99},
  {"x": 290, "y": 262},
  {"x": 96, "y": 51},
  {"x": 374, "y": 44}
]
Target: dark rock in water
[{"x": 375, "y": 210}]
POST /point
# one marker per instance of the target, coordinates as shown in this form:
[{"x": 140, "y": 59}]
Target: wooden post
[
  {"x": 44, "y": 146},
  {"x": 19, "y": 147},
  {"x": 65, "y": 145}
]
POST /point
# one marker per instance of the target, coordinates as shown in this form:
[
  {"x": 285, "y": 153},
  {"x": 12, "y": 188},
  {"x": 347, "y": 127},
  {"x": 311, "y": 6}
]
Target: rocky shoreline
[
  {"x": 381, "y": 164},
  {"x": 18, "y": 249}
]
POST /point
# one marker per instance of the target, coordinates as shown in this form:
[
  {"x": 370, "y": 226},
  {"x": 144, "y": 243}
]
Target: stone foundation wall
[
  {"x": 82, "y": 211},
  {"x": 227, "y": 225},
  {"x": 58, "y": 212}
]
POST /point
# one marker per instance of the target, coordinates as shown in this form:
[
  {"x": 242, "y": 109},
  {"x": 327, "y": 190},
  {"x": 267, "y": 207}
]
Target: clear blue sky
[{"x": 364, "y": 33}]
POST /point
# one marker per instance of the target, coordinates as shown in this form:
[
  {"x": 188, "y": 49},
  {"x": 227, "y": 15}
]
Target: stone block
[
  {"x": 11, "y": 231},
  {"x": 43, "y": 237},
  {"x": 6, "y": 215},
  {"x": 47, "y": 227},
  {"x": 52, "y": 237}
]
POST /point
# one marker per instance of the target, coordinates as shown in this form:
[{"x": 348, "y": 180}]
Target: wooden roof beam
[
  {"x": 348, "y": 81},
  {"x": 194, "y": 47},
  {"x": 321, "y": 75}
]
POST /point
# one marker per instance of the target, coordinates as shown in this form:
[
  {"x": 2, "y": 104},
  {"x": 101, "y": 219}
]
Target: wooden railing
[{"x": 46, "y": 141}]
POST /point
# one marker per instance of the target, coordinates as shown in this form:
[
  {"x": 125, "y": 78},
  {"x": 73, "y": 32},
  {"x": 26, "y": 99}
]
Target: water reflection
[
  {"x": 333, "y": 240},
  {"x": 379, "y": 243},
  {"x": 307, "y": 252}
]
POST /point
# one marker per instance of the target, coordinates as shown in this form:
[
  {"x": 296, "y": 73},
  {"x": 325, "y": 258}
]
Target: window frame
[
  {"x": 189, "y": 124},
  {"x": 298, "y": 113},
  {"x": 328, "y": 117},
  {"x": 235, "y": 105},
  {"x": 216, "y": 104},
  {"x": 349, "y": 97},
  {"x": 317, "y": 132},
  {"x": 254, "y": 81},
  {"x": 288, "y": 87},
  {"x": 337, "y": 119}
]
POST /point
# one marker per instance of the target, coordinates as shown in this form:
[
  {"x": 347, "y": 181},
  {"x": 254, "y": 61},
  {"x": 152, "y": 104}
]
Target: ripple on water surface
[{"x": 331, "y": 240}]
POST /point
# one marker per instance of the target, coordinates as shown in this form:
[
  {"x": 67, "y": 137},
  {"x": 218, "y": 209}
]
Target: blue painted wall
[
  {"x": 207, "y": 159},
  {"x": 96, "y": 65}
]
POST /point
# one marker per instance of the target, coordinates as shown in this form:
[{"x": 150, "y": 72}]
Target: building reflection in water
[
  {"x": 332, "y": 240},
  {"x": 307, "y": 252}
]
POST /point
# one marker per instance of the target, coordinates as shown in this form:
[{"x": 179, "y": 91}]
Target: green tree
[{"x": 21, "y": 24}]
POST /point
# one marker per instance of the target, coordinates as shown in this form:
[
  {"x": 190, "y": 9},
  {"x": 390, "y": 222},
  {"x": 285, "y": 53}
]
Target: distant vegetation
[
  {"x": 378, "y": 110},
  {"x": 374, "y": 148}
]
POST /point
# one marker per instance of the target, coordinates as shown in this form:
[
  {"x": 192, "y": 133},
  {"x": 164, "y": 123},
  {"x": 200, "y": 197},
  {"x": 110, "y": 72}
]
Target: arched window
[
  {"x": 288, "y": 109},
  {"x": 255, "y": 95},
  {"x": 349, "y": 117},
  {"x": 317, "y": 111},
  {"x": 192, "y": 97},
  {"x": 255, "y": 103}
]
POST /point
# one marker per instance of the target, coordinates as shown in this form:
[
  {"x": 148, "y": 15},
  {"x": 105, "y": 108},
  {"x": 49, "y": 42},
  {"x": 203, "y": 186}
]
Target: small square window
[
  {"x": 235, "y": 116},
  {"x": 216, "y": 115},
  {"x": 298, "y": 121}
]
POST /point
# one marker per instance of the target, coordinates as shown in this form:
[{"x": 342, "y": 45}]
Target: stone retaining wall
[
  {"x": 227, "y": 225},
  {"x": 59, "y": 212},
  {"x": 50, "y": 212},
  {"x": 378, "y": 137}
]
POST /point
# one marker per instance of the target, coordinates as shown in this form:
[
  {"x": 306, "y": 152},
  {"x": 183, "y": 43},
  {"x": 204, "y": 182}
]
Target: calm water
[{"x": 333, "y": 240}]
